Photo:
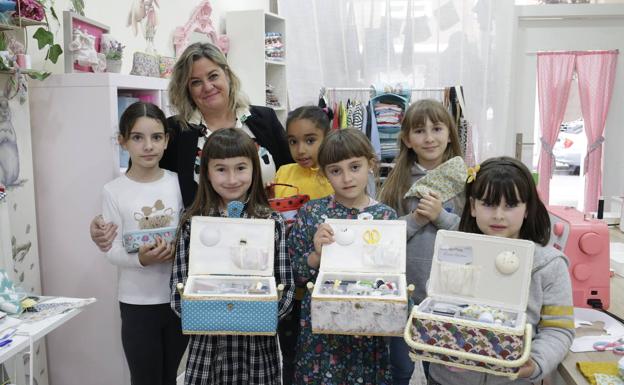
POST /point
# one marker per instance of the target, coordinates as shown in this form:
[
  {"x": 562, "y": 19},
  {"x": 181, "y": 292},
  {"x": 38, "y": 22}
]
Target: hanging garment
[
  {"x": 386, "y": 114},
  {"x": 454, "y": 99}
]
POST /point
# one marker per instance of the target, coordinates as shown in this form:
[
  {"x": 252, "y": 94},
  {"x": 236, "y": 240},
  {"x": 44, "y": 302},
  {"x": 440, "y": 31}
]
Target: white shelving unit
[
  {"x": 246, "y": 30},
  {"x": 74, "y": 128}
]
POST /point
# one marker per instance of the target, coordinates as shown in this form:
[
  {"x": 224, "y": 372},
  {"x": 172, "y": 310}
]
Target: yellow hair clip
[
  {"x": 372, "y": 237},
  {"x": 472, "y": 173}
]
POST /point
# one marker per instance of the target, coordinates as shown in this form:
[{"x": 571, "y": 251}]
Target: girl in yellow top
[{"x": 306, "y": 128}]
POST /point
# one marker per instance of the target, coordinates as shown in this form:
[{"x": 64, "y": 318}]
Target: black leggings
[
  {"x": 153, "y": 343},
  {"x": 288, "y": 331}
]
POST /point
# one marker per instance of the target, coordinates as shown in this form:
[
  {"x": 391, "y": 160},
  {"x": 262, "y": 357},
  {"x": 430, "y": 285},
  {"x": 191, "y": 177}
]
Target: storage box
[
  {"x": 230, "y": 287},
  {"x": 133, "y": 240},
  {"x": 475, "y": 314},
  {"x": 361, "y": 288}
]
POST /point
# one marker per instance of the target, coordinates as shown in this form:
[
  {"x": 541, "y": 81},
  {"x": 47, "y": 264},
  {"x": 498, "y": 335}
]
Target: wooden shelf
[{"x": 20, "y": 23}]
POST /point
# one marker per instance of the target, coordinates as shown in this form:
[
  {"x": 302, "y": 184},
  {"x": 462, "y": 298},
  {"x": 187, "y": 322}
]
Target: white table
[{"x": 30, "y": 332}]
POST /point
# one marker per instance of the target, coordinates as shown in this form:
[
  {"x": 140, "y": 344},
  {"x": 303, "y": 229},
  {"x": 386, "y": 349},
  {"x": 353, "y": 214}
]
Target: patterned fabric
[
  {"x": 134, "y": 239},
  {"x": 464, "y": 130},
  {"x": 238, "y": 360},
  {"x": 333, "y": 359},
  {"x": 144, "y": 64},
  {"x": 485, "y": 342},
  {"x": 448, "y": 180}
]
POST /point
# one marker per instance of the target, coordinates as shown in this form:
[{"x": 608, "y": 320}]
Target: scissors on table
[{"x": 618, "y": 346}]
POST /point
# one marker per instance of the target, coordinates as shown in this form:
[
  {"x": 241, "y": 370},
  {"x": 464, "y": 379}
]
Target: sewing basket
[
  {"x": 364, "y": 250},
  {"x": 230, "y": 288},
  {"x": 475, "y": 314}
]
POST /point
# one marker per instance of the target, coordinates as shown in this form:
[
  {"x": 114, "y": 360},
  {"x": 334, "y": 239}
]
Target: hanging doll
[{"x": 144, "y": 11}]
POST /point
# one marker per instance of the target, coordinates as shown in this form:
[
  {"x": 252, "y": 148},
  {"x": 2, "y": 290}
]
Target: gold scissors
[{"x": 372, "y": 236}]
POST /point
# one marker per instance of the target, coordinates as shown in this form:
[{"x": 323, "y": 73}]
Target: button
[
  {"x": 558, "y": 229},
  {"x": 582, "y": 272},
  {"x": 590, "y": 243}
]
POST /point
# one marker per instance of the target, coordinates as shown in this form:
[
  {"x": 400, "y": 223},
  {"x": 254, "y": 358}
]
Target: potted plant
[{"x": 113, "y": 50}]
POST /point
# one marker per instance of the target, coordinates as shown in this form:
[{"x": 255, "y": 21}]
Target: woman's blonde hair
[
  {"x": 400, "y": 178},
  {"x": 179, "y": 95}
]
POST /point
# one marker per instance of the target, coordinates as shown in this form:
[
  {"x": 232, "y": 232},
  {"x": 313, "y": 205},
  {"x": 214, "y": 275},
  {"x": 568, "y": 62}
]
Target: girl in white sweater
[{"x": 143, "y": 201}]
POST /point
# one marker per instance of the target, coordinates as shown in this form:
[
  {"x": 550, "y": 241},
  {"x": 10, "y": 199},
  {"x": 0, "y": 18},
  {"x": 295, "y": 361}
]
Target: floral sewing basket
[
  {"x": 475, "y": 314},
  {"x": 361, "y": 287}
]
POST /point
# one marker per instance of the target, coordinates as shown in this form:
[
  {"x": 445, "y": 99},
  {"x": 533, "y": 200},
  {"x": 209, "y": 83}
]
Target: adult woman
[{"x": 207, "y": 96}]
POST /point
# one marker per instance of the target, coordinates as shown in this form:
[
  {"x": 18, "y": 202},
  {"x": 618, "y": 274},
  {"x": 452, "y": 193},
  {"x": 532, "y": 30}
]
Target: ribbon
[
  {"x": 591, "y": 148},
  {"x": 548, "y": 148}
]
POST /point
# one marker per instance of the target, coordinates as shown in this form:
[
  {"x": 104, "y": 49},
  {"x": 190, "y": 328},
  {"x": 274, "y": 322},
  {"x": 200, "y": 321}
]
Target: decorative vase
[{"x": 113, "y": 65}]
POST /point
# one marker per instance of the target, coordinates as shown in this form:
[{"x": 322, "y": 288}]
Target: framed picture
[{"x": 82, "y": 43}]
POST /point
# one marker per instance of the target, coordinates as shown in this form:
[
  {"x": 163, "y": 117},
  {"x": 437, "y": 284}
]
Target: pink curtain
[
  {"x": 596, "y": 73},
  {"x": 554, "y": 76}
]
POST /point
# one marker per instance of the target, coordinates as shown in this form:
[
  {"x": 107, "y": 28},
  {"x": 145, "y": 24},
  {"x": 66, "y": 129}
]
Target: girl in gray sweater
[
  {"x": 428, "y": 138},
  {"x": 502, "y": 200}
]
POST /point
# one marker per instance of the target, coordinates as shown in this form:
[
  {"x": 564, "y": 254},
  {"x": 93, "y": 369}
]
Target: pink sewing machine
[{"x": 585, "y": 241}]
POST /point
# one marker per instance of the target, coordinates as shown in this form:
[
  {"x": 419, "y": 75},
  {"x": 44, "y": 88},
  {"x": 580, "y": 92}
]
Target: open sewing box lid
[
  {"x": 495, "y": 258},
  {"x": 216, "y": 242},
  {"x": 348, "y": 252}
]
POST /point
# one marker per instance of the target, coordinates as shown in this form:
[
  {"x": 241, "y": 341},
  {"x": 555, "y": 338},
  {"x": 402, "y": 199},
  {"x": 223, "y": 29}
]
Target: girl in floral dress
[{"x": 346, "y": 158}]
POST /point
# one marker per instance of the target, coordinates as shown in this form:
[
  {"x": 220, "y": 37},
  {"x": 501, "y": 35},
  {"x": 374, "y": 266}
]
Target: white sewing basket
[
  {"x": 364, "y": 250},
  {"x": 486, "y": 273},
  {"x": 230, "y": 252}
]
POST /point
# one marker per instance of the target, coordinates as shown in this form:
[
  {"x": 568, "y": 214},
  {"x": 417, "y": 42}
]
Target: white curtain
[{"x": 420, "y": 43}]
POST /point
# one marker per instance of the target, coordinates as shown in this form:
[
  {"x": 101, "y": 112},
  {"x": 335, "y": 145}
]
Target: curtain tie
[
  {"x": 548, "y": 148},
  {"x": 591, "y": 148}
]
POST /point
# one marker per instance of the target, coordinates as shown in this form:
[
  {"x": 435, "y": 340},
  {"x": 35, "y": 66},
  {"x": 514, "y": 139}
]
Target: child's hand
[
  {"x": 419, "y": 218},
  {"x": 430, "y": 206},
  {"x": 527, "y": 369},
  {"x": 102, "y": 233},
  {"x": 324, "y": 235},
  {"x": 158, "y": 252}
]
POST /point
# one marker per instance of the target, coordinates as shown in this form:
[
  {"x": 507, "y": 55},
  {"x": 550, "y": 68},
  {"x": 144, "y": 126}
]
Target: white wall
[
  {"x": 22, "y": 265},
  {"x": 104, "y": 363},
  {"x": 570, "y": 27},
  {"x": 114, "y": 14}
]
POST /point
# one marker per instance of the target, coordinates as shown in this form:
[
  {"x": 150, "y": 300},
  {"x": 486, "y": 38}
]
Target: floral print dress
[{"x": 326, "y": 359}]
